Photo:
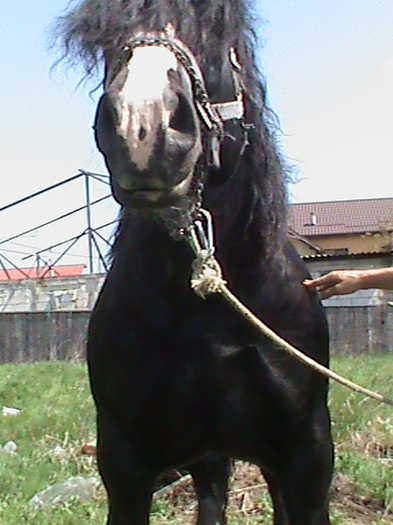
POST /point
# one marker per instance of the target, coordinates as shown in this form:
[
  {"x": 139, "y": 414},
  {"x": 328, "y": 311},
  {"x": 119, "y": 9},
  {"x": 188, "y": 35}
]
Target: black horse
[{"x": 178, "y": 381}]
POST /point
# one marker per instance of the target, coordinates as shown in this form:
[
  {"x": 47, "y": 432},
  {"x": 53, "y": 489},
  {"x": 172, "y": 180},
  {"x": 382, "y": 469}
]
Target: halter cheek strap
[
  {"x": 235, "y": 108},
  {"x": 230, "y": 110}
]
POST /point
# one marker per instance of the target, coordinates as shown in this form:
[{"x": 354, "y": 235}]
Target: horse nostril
[
  {"x": 182, "y": 118},
  {"x": 142, "y": 133}
]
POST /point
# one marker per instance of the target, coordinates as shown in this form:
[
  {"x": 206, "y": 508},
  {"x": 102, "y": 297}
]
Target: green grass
[
  {"x": 56, "y": 409},
  {"x": 363, "y": 432}
]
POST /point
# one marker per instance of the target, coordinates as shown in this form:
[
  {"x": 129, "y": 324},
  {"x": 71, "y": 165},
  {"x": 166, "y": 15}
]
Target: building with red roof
[
  {"x": 340, "y": 228},
  {"x": 45, "y": 272}
]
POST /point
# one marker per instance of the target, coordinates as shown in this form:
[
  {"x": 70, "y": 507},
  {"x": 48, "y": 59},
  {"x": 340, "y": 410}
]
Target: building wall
[
  {"x": 354, "y": 243},
  {"x": 55, "y": 295}
]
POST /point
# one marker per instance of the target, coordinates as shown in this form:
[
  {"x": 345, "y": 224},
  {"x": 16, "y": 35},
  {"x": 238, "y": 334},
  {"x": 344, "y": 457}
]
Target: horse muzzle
[
  {"x": 152, "y": 196},
  {"x": 151, "y": 148}
]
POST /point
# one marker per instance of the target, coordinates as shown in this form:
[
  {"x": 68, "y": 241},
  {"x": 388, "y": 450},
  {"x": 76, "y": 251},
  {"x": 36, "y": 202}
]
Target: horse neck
[
  {"x": 145, "y": 245},
  {"x": 246, "y": 228}
]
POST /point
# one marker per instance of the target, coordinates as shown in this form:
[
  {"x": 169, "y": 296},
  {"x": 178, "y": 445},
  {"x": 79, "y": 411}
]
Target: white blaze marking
[
  {"x": 142, "y": 100},
  {"x": 147, "y": 73}
]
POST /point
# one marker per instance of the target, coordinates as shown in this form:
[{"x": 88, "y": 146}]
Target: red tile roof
[
  {"x": 342, "y": 217},
  {"x": 15, "y": 274}
]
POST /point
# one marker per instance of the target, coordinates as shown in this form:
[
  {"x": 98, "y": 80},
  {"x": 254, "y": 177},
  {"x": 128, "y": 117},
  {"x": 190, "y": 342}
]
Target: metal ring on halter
[{"x": 201, "y": 234}]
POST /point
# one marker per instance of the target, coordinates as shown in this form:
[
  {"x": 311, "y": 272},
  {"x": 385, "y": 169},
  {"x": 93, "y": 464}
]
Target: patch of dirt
[
  {"x": 246, "y": 495},
  {"x": 357, "y": 509},
  {"x": 373, "y": 447},
  {"x": 248, "y": 499}
]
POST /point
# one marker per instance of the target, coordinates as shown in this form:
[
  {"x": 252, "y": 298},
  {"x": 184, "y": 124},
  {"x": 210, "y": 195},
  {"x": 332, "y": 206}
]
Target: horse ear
[{"x": 106, "y": 71}]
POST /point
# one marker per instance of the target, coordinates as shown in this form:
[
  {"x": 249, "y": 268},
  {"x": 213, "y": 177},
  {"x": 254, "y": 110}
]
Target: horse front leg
[
  {"x": 128, "y": 481},
  {"x": 210, "y": 477}
]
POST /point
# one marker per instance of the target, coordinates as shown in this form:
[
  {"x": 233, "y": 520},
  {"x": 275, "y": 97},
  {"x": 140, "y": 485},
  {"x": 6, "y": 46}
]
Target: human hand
[{"x": 337, "y": 282}]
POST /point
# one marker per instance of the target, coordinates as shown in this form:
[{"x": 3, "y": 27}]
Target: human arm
[{"x": 342, "y": 282}]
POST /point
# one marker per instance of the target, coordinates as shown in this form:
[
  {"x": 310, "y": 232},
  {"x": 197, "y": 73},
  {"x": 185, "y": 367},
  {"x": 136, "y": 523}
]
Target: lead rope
[{"x": 207, "y": 279}]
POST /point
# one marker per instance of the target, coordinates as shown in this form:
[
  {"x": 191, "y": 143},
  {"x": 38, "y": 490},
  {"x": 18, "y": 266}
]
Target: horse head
[
  {"x": 155, "y": 120},
  {"x": 146, "y": 124}
]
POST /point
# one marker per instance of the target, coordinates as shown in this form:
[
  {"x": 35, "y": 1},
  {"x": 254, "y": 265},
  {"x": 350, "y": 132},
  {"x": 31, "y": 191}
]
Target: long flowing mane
[{"x": 94, "y": 29}]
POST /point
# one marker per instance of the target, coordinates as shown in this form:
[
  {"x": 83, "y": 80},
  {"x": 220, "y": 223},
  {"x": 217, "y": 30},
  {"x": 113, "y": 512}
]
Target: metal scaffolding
[{"x": 93, "y": 233}]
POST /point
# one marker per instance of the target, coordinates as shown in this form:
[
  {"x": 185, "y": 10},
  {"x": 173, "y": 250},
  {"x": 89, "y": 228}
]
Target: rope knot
[{"x": 206, "y": 275}]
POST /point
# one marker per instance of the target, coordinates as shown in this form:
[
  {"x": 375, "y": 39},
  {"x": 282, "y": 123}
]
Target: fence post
[{"x": 88, "y": 219}]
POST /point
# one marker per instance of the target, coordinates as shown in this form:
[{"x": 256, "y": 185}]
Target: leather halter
[{"x": 212, "y": 115}]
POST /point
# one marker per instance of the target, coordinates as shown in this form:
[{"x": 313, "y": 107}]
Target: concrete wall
[{"x": 50, "y": 295}]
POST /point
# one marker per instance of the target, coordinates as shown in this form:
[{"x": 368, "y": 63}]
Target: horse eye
[{"x": 125, "y": 55}]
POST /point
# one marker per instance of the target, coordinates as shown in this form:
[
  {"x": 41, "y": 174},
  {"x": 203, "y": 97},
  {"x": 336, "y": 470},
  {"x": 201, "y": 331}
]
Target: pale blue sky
[
  {"x": 329, "y": 65},
  {"x": 329, "y": 68}
]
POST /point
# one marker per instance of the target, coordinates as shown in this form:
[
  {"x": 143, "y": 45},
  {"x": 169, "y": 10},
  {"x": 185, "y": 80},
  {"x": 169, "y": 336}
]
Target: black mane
[{"x": 92, "y": 29}]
